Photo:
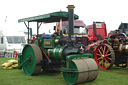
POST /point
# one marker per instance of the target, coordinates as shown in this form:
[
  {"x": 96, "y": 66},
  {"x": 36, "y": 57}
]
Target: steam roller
[{"x": 55, "y": 54}]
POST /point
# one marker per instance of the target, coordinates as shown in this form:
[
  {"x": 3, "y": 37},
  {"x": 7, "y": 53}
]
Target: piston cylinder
[{"x": 56, "y": 53}]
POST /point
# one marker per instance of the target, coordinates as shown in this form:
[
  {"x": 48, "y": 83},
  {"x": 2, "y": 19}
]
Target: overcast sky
[{"x": 112, "y": 12}]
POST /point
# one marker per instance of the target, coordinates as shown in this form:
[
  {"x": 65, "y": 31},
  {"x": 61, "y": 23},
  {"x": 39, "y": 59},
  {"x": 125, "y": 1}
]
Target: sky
[{"x": 112, "y": 12}]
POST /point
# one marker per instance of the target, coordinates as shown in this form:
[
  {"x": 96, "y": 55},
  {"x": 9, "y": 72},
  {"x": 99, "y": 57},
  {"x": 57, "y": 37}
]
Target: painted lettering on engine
[{"x": 47, "y": 43}]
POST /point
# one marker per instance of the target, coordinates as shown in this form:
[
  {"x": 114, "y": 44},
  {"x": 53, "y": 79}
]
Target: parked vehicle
[
  {"x": 96, "y": 31},
  {"x": 11, "y": 42},
  {"x": 80, "y": 31}
]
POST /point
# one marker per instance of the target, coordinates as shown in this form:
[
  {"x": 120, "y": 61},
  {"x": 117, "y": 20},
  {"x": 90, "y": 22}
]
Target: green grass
[{"x": 114, "y": 76}]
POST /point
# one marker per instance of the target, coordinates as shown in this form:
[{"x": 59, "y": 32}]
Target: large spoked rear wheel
[
  {"x": 104, "y": 56},
  {"x": 33, "y": 53}
]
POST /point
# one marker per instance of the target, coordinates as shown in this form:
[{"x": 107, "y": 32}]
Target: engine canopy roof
[{"x": 49, "y": 18}]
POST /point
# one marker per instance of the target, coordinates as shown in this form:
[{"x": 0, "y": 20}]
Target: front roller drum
[
  {"x": 83, "y": 70},
  {"x": 33, "y": 53}
]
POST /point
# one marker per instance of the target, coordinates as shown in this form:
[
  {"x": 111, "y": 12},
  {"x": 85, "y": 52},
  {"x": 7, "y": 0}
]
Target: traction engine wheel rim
[
  {"x": 32, "y": 52},
  {"x": 104, "y": 56}
]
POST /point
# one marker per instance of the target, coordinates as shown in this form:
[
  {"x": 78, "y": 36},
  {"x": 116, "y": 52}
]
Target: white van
[{"x": 10, "y": 42}]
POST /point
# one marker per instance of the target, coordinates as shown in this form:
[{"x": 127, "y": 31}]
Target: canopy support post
[
  {"x": 38, "y": 26},
  {"x": 28, "y": 31}
]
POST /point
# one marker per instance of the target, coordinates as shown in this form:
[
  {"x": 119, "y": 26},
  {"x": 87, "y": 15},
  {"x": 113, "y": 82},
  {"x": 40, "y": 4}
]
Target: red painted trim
[{"x": 44, "y": 53}]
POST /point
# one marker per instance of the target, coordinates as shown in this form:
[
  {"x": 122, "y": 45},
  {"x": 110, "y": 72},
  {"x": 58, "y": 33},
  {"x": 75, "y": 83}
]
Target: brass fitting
[
  {"x": 70, "y": 6},
  {"x": 56, "y": 40}
]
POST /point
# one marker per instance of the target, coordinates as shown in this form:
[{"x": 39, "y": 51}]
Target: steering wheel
[{"x": 33, "y": 38}]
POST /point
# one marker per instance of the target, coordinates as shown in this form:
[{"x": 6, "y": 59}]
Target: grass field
[{"x": 114, "y": 76}]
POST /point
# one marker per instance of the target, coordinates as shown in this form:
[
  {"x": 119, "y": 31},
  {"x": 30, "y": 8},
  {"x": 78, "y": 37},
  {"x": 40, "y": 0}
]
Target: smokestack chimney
[{"x": 70, "y": 24}]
